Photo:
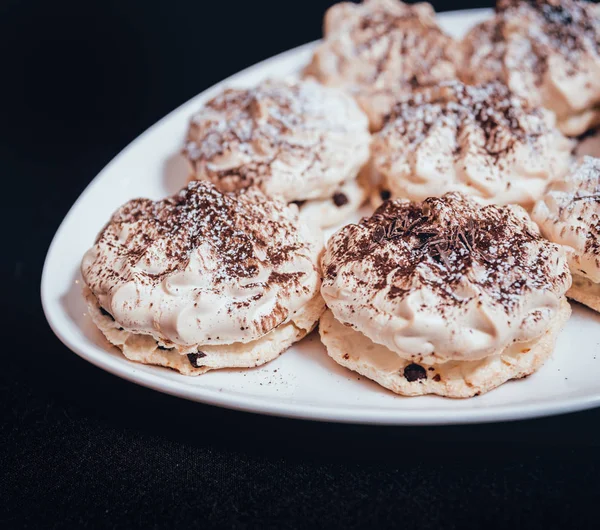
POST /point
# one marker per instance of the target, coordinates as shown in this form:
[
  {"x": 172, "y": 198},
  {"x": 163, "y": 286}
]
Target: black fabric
[{"x": 79, "y": 447}]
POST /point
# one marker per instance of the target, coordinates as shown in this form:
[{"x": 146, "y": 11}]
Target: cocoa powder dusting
[
  {"x": 258, "y": 128},
  {"x": 490, "y": 108},
  {"x": 567, "y": 27},
  {"x": 233, "y": 227},
  {"x": 442, "y": 242}
]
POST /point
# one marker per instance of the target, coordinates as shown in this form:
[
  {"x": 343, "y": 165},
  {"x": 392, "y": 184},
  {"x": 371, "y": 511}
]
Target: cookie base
[
  {"x": 455, "y": 379},
  {"x": 146, "y": 350}
]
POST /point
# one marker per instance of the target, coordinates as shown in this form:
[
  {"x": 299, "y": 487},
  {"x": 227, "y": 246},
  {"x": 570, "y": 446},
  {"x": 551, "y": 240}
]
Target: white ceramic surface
[{"x": 304, "y": 382}]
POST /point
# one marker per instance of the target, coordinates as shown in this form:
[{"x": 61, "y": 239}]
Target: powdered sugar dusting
[
  {"x": 503, "y": 117},
  {"x": 445, "y": 242},
  {"x": 297, "y": 140},
  {"x": 381, "y": 49},
  {"x": 548, "y": 51},
  {"x": 569, "y": 214},
  {"x": 479, "y": 140},
  {"x": 237, "y": 228},
  {"x": 569, "y": 27}
]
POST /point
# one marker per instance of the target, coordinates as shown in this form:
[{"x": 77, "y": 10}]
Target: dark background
[{"x": 78, "y": 81}]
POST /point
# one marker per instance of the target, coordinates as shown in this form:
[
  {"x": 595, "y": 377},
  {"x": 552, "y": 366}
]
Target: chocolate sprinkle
[
  {"x": 193, "y": 358},
  {"x": 385, "y": 195},
  {"x": 594, "y": 197},
  {"x": 340, "y": 199},
  {"x": 414, "y": 372}
]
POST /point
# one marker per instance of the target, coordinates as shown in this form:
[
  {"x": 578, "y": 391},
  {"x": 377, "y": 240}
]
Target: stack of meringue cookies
[{"x": 474, "y": 153}]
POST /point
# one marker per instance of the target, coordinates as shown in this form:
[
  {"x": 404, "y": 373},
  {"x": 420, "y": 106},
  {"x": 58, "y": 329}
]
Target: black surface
[{"x": 81, "y": 447}]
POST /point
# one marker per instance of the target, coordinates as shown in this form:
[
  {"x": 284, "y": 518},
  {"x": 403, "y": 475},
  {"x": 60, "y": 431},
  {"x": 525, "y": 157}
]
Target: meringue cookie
[
  {"x": 546, "y": 51},
  {"x": 482, "y": 141},
  {"x": 203, "y": 269},
  {"x": 569, "y": 214},
  {"x": 298, "y": 141},
  {"x": 447, "y": 280},
  {"x": 455, "y": 379},
  {"x": 380, "y": 50}
]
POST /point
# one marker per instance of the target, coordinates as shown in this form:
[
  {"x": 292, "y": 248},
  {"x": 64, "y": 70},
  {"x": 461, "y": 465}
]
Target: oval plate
[{"x": 304, "y": 382}]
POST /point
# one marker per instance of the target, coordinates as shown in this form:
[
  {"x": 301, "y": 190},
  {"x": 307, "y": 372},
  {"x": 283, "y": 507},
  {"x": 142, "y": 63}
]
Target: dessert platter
[{"x": 398, "y": 224}]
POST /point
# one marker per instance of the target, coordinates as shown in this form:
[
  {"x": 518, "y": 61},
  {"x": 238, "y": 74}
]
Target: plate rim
[{"x": 261, "y": 405}]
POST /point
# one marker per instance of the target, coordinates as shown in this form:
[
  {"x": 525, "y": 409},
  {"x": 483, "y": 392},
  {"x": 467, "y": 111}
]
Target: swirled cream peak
[
  {"x": 569, "y": 214},
  {"x": 445, "y": 279},
  {"x": 380, "y": 50},
  {"x": 482, "y": 141},
  {"x": 296, "y": 140},
  {"x": 547, "y": 51},
  {"x": 203, "y": 267}
]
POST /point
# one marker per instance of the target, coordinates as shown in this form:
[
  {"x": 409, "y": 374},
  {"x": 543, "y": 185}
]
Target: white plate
[{"x": 304, "y": 382}]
